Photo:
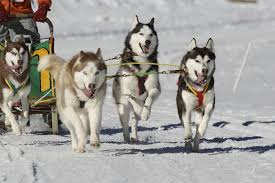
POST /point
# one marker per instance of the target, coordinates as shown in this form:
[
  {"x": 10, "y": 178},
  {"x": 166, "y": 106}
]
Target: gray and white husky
[
  {"x": 14, "y": 81},
  {"x": 135, "y": 94},
  {"x": 196, "y": 91},
  {"x": 80, "y": 92}
]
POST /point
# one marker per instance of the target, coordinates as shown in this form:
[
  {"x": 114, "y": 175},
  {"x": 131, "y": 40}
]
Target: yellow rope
[
  {"x": 46, "y": 101},
  {"x": 143, "y": 63},
  {"x": 194, "y": 91},
  {"x": 8, "y": 83}
]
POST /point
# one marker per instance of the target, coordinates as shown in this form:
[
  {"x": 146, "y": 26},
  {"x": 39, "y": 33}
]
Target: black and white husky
[
  {"x": 14, "y": 81},
  {"x": 137, "y": 94},
  {"x": 196, "y": 91}
]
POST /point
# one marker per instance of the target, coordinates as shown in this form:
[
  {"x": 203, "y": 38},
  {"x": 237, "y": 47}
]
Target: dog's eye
[
  {"x": 97, "y": 72},
  {"x": 12, "y": 52},
  {"x": 23, "y": 52},
  {"x": 208, "y": 61},
  {"x": 151, "y": 35},
  {"x": 197, "y": 61},
  {"x": 141, "y": 34},
  {"x": 85, "y": 73}
]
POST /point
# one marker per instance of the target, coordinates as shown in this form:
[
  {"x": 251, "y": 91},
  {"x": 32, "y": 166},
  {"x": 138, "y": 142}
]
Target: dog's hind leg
[
  {"x": 11, "y": 118},
  {"x": 180, "y": 107},
  {"x": 25, "y": 111},
  {"x": 124, "y": 113},
  {"x": 134, "y": 126}
]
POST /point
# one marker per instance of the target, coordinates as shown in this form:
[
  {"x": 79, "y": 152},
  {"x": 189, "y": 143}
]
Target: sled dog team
[{"x": 81, "y": 87}]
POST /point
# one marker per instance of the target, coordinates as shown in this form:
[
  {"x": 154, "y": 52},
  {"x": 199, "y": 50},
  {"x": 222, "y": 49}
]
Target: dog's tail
[{"x": 52, "y": 63}]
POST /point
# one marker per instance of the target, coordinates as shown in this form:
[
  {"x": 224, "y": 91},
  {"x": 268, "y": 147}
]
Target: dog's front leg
[
  {"x": 95, "y": 115},
  {"x": 11, "y": 118},
  {"x": 201, "y": 128},
  {"x": 79, "y": 129},
  {"x": 25, "y": 111},
  {"x": 146, "y": 110},
  {"x": 7, "y": 122},
  {"x": 186, "y": 118}
]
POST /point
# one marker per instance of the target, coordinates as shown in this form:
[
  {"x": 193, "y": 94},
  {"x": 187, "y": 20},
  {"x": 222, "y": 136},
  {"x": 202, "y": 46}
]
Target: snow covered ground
[{"x": 239, "y": 144}]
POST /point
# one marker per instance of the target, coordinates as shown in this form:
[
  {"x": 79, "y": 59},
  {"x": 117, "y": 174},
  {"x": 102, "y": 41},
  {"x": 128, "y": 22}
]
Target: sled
[{"x": 42, "y": 96}]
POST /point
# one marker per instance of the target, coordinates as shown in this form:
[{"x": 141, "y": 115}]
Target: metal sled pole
[{"x": 54, "y": 120}]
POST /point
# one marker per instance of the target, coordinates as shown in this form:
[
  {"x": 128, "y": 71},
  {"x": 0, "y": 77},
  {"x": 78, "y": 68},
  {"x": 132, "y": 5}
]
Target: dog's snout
[
  {"x": 20, "y": 62},
  {"x": 204, "y": 71},
  {"x": 91, "y": 86},
  {"x": 147, "y": 42}
]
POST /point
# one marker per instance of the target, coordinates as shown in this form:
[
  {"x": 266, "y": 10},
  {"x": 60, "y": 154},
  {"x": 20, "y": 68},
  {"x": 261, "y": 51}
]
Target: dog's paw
[
  {"x": 145, "y": 113},
  {"x": 80, "y": 150},
  {"x": 95, "y": 144},
  {"x": 7, "y": 124},
  {"x": 134, "y": 141},
  {"x": 188, "y": 145},
  {"x": 17, "y": 131},
  {"x": 24, "y": 121},
  {"x": 196, "y": 144},
  {"x": 127, "y": 140},
  {"x": 74, "y": 147}
]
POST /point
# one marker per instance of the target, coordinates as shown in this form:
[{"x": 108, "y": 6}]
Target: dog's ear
[
  {"x": 19, "y": 38},
  {"x": 135, "y": 22},
  {"x": 152, "y": 21},
  {"x": 7, "y": 39},
  {"x": 192, "y": 45},
  {"x": 81, "y": 54},
  {"x": 99, "y": 55},
  {"x": 210, "y": 45}
]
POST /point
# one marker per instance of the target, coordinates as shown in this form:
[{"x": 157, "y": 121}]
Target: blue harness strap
[{"x": 13, "y": 88}]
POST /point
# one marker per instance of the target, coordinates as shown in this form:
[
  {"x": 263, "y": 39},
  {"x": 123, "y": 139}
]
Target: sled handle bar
[{"x": 48, "y": 21}]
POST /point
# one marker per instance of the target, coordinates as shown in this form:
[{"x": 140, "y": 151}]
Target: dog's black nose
[
  {"x": 91, "y": 86},
  {"x": 147, "y": 42},
  {"x": 20, "y": 62},
  {"x": 204, "y": 71}
]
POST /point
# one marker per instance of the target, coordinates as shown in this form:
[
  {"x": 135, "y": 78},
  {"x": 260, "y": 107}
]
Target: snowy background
[{"x": 239, "y": 144}]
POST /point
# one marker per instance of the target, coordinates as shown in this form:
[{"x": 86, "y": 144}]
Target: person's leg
[
  {"x": 25, "y": 26},
  {"x": 3, "y": 32}
]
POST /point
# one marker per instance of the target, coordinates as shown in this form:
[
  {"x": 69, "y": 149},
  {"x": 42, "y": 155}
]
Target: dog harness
[
  {"x": 198, "y": 94},
  {"x": 141, "y": 82},
  {"x": 13, "y": 88}
]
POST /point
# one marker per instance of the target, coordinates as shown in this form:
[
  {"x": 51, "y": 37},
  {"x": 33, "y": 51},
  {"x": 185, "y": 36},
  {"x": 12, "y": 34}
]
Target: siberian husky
[
  {"x": 80, "y": 92},
  {"x": 15, "y": 81},
  {"x": 137, "y": 94},
  {"x": 196, "y": 91}
]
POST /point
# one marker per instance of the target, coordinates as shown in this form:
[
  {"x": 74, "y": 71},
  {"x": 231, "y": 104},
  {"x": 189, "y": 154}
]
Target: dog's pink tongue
[
  {"x": 146, "y": 49},
  {"x": 88, "y": 92},
  {"x": 201, "y": 78}
]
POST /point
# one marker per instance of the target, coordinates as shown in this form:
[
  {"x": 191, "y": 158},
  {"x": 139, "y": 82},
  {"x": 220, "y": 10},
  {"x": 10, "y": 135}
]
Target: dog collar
[
  {"x": 13, "y": 88},
  {"x": 198, "y": 94}
]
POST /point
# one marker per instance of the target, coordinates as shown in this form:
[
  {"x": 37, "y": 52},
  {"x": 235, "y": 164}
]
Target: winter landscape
[{"x": 239, "y": 143}]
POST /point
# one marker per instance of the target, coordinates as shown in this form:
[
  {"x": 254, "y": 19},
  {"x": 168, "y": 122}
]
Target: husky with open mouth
[
  {"x": 196, "y": 91},
  {"x": 136, "y": 94},
  {"x": 14, "y": 81},
  {"x": 80, "y": 92}
]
